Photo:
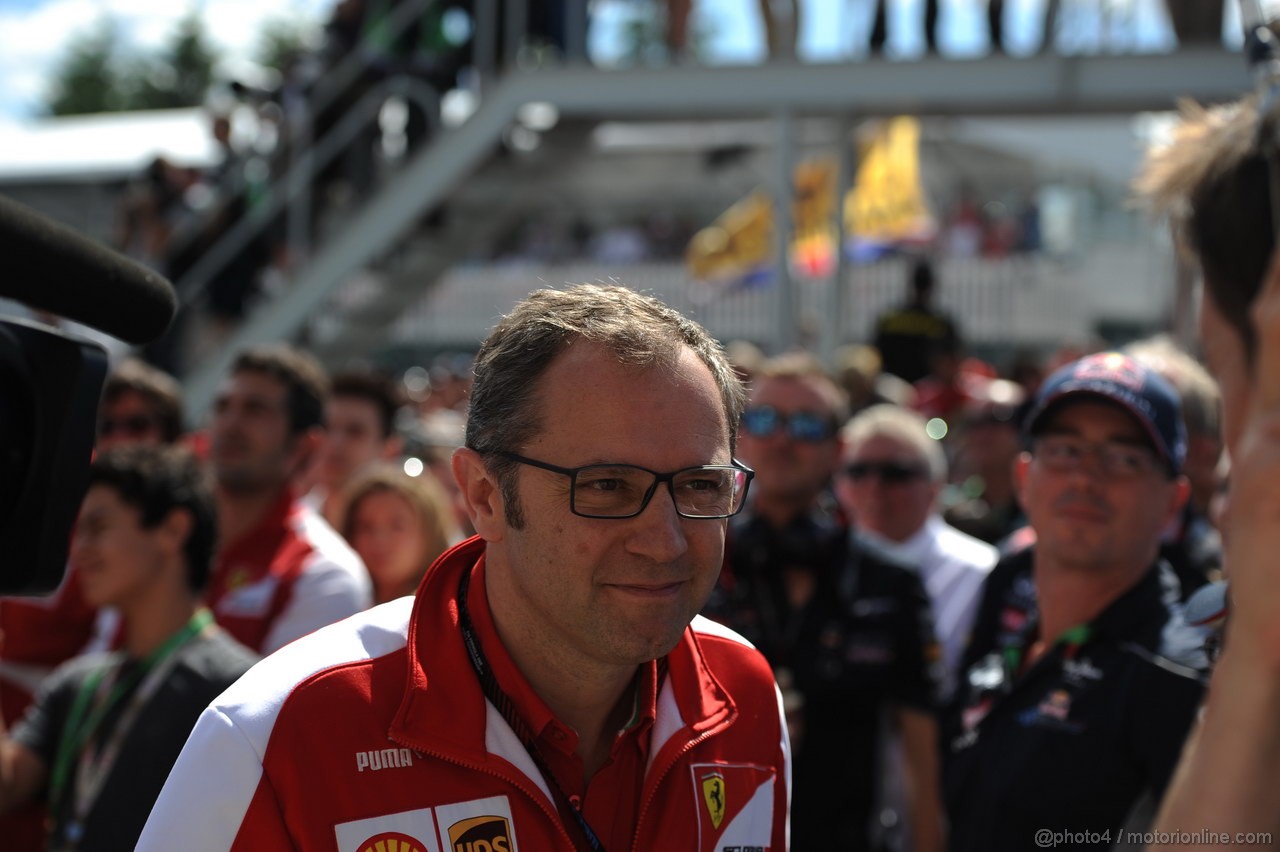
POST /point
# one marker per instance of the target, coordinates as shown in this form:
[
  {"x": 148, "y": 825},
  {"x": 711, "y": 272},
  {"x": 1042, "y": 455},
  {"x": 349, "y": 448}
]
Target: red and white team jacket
[
  {"x": 373, "y": 735},
  {"x": 288, "y": 576}
]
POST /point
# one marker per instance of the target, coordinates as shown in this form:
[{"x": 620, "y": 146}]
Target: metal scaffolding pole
[
  {"x": 837, "y": 295},
  {"x": 783, "y": 196}
]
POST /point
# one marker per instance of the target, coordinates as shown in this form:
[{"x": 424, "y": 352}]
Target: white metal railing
[{"x": 982, "y": 295}]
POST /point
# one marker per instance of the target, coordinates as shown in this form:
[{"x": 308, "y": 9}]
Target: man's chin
[{"x": 242, "y": 484}]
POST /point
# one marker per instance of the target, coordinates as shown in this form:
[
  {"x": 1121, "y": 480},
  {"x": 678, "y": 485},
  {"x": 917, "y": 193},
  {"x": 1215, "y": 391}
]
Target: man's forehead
[
  {"x": 100, "y": 500},
  {"x": 588, "y": 380},
  {"x": 883, "y": 445},
  {"x": 128, "y": 398},
  {"x": 1086, "y": 409},
  {"x": 253, "y": 384},
  {"x": 808, "y": 393},
  {"x": 349, "y": 406}
]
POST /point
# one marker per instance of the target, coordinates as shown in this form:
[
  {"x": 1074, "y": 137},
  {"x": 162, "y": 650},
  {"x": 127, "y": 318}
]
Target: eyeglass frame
[
  {"x": 659, "y": 478},
  {"x": 1155, "y": 462}
]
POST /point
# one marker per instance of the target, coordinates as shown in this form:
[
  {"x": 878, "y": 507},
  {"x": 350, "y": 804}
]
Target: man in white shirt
[{"x": 889, "y": 481}]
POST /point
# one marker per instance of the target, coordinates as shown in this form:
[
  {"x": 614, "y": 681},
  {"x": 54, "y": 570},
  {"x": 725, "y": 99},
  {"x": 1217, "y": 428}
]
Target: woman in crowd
[{"x": 398, "y": 524}]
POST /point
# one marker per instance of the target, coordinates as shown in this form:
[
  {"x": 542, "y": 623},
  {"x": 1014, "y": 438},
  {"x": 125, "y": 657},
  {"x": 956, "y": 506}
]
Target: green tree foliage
[
  {"x": 99, "y": 75},
  {"x": 86, "y": 80},
  {"x": 281, "y": 42}
]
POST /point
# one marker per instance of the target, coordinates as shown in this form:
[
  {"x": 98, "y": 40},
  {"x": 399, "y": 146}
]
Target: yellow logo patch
[
  {"x": 481, "y": 834},
  {"x": 713, "y": 793},
  {"x": 392, "y": 841}
]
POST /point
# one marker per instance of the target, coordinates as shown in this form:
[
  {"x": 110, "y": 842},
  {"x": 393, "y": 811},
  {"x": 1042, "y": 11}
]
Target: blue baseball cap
[{"x": 1115, "y": 377}]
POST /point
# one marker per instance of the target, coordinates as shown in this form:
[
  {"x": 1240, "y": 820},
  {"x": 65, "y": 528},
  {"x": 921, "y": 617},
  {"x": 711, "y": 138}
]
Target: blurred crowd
[
  {"x": 885, "y": 500},
  {"x": 354, "y": 106},
  {"x": 883, "y": 564}
]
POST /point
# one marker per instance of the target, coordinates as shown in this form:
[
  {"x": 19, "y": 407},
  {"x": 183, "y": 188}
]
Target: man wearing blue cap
[{"x": 1070, "y": 711}]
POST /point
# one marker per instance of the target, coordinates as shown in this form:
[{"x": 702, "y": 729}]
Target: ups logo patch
[{"x": 481, "y": 834}]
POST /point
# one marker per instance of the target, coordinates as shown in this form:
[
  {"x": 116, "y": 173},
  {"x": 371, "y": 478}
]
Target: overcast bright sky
[{"x": 34, "y": 33}]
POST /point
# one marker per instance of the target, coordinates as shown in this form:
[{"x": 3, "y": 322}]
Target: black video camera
[{"x": 50, "y": 382}]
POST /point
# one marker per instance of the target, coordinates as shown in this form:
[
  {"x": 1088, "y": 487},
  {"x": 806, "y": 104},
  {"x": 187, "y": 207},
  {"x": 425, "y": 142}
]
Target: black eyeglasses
[
  {"x": 136, "y": 425},
  {"x": 808, "y": 426},
  {"x": 890, "y": 473},
  {"x": 1064, "y": 453},
  {"x": 618, "y": 491}
]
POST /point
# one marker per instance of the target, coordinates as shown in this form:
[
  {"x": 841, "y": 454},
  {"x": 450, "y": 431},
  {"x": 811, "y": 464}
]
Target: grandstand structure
[{"x": 384, "y": 271}]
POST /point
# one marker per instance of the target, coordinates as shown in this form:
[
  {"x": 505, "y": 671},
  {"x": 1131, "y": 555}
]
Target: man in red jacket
[{"x": 550, "y": 687}]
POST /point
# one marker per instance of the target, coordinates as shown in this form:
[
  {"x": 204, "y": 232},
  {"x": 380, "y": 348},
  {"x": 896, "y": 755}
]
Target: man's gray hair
[{"x": 901, "y": 425}]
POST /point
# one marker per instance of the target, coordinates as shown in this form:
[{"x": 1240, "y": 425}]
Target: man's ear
[
  {"x": 176, "y": 527},
  {"x": 480, "y": 495},
  {"x": 305, "y": 446},
  {"x": 1021, "y": 466},
  {"x": 1178, "y": 498},
  {"x": 392, "y": 447}
]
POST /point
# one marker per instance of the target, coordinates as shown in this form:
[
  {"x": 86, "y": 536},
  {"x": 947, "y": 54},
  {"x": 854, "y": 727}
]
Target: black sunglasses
[
  {"x": 808, "y": 426},
  {"x": 890, "y": 473},
  {"x": 135, "y": 425}
]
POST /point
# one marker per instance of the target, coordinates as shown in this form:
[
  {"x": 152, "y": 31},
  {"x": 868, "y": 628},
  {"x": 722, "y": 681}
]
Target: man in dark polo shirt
[
  {"x": 105, "y": 729},
  {"x": 1083, "y": 679},
  {"x": 847, "y": 630}
]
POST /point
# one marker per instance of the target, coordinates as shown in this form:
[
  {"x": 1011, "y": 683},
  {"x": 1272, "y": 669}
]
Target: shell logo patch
[
  {"x": 487, "y": 833},
  {"x": 407, "y": 831},
  {"x": 392, "y": 841},
  {"x": 713, "y": 793}
]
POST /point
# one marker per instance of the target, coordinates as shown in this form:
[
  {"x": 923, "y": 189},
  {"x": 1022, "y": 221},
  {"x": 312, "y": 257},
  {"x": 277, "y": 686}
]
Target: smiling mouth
[
  {"x": 1085, "y": 514},
  {"x": 649, "y": 590}
]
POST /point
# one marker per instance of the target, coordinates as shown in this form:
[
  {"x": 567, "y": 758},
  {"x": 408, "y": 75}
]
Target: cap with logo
[{"x": 1117, "y": 378}]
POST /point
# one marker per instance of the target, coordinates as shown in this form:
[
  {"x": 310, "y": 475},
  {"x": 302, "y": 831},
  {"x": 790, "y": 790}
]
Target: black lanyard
[{"x": 499, "y": 699}]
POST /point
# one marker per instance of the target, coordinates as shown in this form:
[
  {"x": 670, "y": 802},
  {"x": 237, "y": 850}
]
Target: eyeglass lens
[
  {"x": 620, "y": 490},
  {"x": 1064, "y": 452}
]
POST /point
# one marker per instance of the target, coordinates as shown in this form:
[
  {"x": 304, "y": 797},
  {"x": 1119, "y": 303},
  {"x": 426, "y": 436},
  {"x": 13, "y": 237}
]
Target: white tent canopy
[{"x": 104, "y": 146}]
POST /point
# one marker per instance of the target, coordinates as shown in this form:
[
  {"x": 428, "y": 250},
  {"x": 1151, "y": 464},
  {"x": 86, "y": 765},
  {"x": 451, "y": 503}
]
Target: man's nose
[{"x": 659, "y": 532}]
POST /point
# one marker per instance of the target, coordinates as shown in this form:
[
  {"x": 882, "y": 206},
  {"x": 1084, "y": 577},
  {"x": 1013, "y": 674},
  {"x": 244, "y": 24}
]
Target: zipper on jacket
[
  {"x": 517, "y": 781},
  {"x": 653, "y": 791}
]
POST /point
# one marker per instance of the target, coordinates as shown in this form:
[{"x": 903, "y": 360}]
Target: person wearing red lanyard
[
  {"x": 105, "y": 729},
  {"x": 551, "y": 686},
  {"x": 1069, "y": 711}
]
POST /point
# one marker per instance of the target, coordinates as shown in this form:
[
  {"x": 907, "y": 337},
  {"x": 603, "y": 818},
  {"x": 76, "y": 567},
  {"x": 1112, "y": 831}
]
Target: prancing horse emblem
[{"x": 713, "y": 793}]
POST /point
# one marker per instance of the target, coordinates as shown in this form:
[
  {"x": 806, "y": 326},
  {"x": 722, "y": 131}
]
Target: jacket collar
[{"x": 444, "y": 712}]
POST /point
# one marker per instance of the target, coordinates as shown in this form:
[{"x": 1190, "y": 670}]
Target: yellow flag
[
  {"x": 887, "y": 203},
  {"x": 885, "y": 206}
]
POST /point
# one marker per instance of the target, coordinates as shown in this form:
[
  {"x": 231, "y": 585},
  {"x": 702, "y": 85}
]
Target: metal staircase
[{"x": 461, "y": 168}]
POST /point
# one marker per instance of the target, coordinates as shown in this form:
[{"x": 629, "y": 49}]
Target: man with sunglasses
[
  {"x": 890, "y": 480},
  {"x": 1075, "y": 707},
  {"x": 847, "y": 631},
  {"x": 546, "y": 690},
  {"x": 140, "y": 405}
]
